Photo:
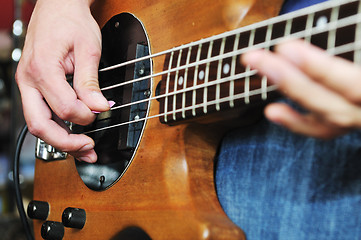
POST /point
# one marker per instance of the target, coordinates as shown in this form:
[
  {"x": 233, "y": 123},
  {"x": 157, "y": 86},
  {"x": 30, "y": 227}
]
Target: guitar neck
[{"x": 206, "y": 76}]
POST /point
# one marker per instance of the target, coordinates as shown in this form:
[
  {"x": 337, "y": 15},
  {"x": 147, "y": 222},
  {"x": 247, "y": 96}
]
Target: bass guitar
[{"x": 173, "y": 70}]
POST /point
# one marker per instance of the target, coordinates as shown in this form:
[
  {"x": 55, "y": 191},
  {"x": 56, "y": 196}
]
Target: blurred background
[{"x": 14, "y": 18}]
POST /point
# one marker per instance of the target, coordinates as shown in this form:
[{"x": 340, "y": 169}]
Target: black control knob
[
  {"x": 74, "y": 218},
  {"x": 38, "y": 210},
  {"x": 52, "y": 230}
]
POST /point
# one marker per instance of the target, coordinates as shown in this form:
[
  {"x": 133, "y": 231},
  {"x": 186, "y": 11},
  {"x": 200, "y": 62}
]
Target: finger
[
  {"x": 39, "y": 119},
  {"x": 336, "y": 73},
  {"x": 64, "y": 102},
  {"x": 58, "y": 93},
  {"x": 85, "y": 156},
  {"x": 300, "y": 88},
  {"x": 86, "y": 84},
  {"x": 308, "y": 124}
]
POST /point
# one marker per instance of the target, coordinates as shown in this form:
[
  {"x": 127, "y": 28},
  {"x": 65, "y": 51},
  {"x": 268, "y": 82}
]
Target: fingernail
[{"x": 111, "y": 104}]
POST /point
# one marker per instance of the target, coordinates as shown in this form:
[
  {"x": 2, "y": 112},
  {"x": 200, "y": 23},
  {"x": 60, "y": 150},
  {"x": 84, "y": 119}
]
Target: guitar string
[
  {"x": 200, "y": 105},
  {"x": 336, "y": 50},
  {"x": 331, "y": 26},
  {"x": 254, "y": 92},
  {"x": 350, "y": 47},
  {"x": 327, "y": 5},
  {"x": 341, "y": 49},
  {"x": 189, "y": 89}
]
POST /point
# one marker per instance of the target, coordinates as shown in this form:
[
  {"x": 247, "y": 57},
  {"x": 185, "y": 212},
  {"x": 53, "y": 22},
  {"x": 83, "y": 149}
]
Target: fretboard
[{"x": 206, "y": 76}]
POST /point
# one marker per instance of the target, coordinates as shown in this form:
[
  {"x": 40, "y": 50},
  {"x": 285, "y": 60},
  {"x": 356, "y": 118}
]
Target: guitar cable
[{"x": 16, "y": 174}]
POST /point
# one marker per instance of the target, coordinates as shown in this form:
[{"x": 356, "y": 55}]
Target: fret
[
  {"x": 233, "y": 71},
  {"x": 331, "y": 40},
  {"x": 264, "y": 87},
  {"x": 264, "y": 78},
  {"x": 206, "y": 77},
  {"x": 219, "y": 74},
  {"x": 167, "y": 87},
  {"x": 246, "y": 85},
  {"x": 309, "y": 26},
  {"x": 357, "y": 52},
  {"x": 288, "y": 27},
  {"x": 251, "y": 37},
  {"x": 268, "y": 36},
  {"x": 195, "y": 79},
  {"x": 185, "y": 83},
  {"x": 176, "y": 82},
  {"x": 248, "y": 69}
]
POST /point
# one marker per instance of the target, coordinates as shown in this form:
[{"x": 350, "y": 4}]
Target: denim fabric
[
  {"x": 293, "y": 5},
  {"x": 279, "y": 185}
]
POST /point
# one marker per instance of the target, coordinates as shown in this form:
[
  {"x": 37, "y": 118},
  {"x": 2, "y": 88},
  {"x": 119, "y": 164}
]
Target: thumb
[{"x": 86, "y": 85}]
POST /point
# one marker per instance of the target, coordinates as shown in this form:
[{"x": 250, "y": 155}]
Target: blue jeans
[{"x": 278, "y": 185}]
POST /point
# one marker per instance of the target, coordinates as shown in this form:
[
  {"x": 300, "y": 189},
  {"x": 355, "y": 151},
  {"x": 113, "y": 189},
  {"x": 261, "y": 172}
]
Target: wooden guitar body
[{"x": 168, "y": 190}]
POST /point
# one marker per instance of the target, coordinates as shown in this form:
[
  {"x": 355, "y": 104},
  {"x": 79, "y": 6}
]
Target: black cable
[{"x": 16, "y": 174}]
